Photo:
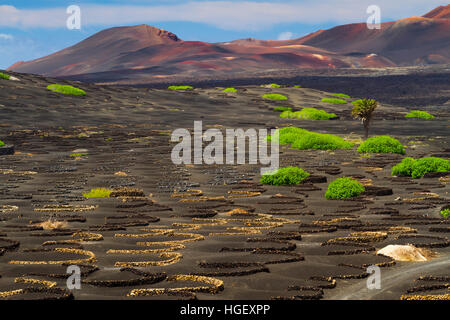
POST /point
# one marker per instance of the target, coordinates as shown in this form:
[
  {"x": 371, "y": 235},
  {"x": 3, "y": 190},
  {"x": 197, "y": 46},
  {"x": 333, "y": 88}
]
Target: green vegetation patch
[
  {"x": 288, "y": 114},
  {"x": 320, "y": 141},
  {"x": 334, "y": 100},
  {"x": 297, "y": 86},
  {"x": 282, "y": 109},
  {"x": 419, "y": 114},
  {"x": 344, "y": 188},
  {"x": 381, "y": 144},
  {"x": 342, "y": 95},
  {"x": 308, "y": 114},
  {"x": 303, "y": 139},
  {"x": 271, "y": 85},
  {"x": 445, "y": 213},
  {"x": 66, "y": 89},
  {"x": 315, "y": 114},
  {"x": 288, "y": 135},
  {"x": 180, "y": 88},
  {"x": 356, "y": 101},
  {"x": 229, "y": 90},
  {"x": 1, "y": 143},
  {"x": 284, "y": 176},
  {"x": 416, "y": 168},
  {"x": 97, "y": 193},
  {"x": 4, "y": 76},
  {"x": 80, "y": 154},
  {"x": 274, "y": 96}
]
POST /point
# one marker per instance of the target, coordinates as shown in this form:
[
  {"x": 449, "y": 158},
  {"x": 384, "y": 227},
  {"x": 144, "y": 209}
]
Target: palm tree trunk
[{"x": 366, "y": 129}]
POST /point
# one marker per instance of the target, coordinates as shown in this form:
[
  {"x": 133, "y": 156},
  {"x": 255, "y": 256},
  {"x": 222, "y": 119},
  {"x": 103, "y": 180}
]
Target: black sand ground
[
  {"x": 286, "y": 244},
  {"x": 402, "y": 86}
]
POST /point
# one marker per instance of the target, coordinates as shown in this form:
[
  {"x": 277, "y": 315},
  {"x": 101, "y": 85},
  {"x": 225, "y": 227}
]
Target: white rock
[
  {"x": 406, "y": 253},
  {"x": 80, "y": 151}
]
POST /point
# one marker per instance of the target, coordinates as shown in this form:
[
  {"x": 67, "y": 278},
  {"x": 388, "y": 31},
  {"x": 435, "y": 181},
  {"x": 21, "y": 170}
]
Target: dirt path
[{"x": 391, "y": 279}]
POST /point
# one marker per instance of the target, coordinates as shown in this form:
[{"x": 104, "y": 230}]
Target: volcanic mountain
[
  {"x": 143, "y": 53},
  {"x": 409, "y": 41},
  {"x": 98, "y": 52}
]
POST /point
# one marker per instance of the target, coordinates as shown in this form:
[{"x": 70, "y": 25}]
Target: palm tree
[{"x": 363, "y": 110}]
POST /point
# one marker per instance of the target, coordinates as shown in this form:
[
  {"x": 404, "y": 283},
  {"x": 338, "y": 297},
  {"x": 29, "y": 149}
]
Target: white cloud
[
  {"x": 286, "y": 36},
  {"x": 5, "y": 36},
  {"x": 229, "y": 15}
]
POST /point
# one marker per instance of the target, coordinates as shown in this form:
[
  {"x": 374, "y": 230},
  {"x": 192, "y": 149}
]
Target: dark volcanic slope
[
  {"x": 240, "y": 239},
  {"x": 412, "y": 87},
  {"x": 140, "y": 54}
]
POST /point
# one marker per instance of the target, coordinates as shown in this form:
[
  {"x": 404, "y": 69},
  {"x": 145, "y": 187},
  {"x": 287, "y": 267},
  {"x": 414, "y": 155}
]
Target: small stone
[{"x": 80, "y": 151}]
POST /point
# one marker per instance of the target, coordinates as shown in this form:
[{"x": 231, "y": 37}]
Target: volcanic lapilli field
[{"x": 92, "y": 184}]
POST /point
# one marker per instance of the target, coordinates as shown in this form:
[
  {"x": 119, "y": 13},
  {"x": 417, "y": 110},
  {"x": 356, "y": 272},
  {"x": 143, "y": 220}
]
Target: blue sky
[{"x": 32, "y": 29}]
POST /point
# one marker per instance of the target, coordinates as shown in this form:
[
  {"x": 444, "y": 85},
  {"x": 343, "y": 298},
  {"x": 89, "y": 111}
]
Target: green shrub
[
  {"x": 356, "y": 101},
  {"x": 229, "y": 90},
  {"x": 282, "y": 109},
  {"x": 416, "y": 168},
  {"x": 1, "y": 143},
  {"x": 334, "y": 100},
  {"x": 271, "y": 85},
  {"x": 181, "y": 88},
  {"x": 344, "y": 188},
  {"x": 274, "y": 96},
  {"x": 287, "y": 114},
  {"x": 342, "y": 95},
  {"x": 80, "y": 154},
  {"x": 4, "y": 76},
  {"x": 445, "y": 213},
  {"x": 308, "y": 114},
  {"x": 382, "y": 144},
  {"x": 284, "y": 176},
  {"x": 404, "y": 168},
  {"x": 66, "y": 89},
  {"x": 320, "y": 141},
  {"x": 297, "y": 86},
  {"x": 303, "y": 139},
  {"x": 419, "y": 114},
  {"x": 316, "y": 114},
  {"x": 97, "y": 193},
  {"x": 288, "y": 135}
]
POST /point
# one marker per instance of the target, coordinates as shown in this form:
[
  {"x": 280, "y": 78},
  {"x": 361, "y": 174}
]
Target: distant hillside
[{"x": 143, "y": 53}]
